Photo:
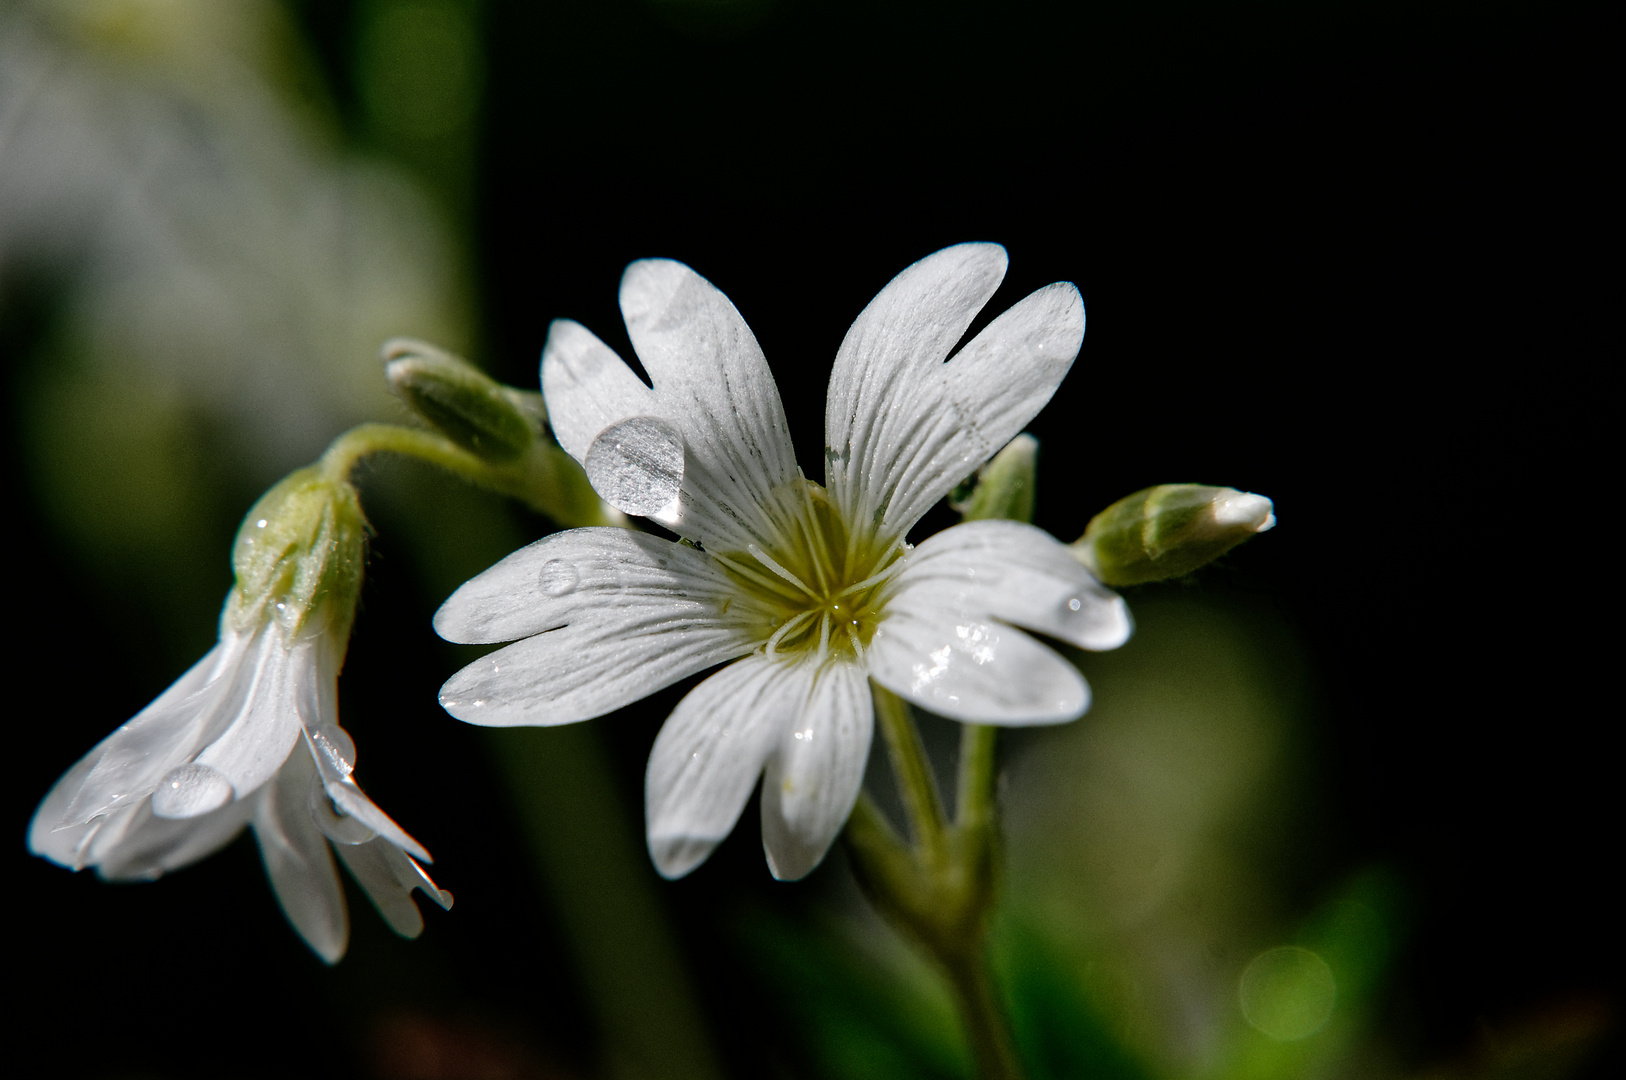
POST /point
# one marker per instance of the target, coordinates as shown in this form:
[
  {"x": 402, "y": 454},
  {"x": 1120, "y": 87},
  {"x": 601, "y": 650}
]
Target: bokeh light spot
[{"x": 1288, "y": 993}]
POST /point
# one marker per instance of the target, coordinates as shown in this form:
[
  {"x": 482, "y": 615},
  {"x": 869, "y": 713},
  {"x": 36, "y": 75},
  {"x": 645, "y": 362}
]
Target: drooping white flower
[
  {"x": 811, "y": 591},
  {"x": 250, "y": 736}
]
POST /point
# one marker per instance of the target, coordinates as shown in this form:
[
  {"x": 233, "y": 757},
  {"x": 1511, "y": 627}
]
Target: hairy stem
[{"x": 545, "y": 478}]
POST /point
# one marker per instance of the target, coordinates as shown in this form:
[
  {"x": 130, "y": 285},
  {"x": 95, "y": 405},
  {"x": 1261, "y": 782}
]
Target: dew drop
[
  {"x": 336, "y": 825},
  {"x": 191, "y": 790},
  {"x": 637, "y": 465},
  {"x": 559, "y": 577},
  {"x": 1074, "y": 604}
]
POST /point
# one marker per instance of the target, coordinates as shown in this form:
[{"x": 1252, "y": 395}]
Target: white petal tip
[
  {"x": 676, "y": 856},
  {"x": 1245, "y": 509}
]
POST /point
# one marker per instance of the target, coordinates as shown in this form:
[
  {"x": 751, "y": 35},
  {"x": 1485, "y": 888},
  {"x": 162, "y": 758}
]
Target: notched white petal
[
  {"x": 708, "y": 756},
  {"x": 587, "y": 387},
  {"x": 388, "y": 876},
  {"x": 547, "y": 584},
  {"x": 814, "y": 775},
  {"x": 636, "y": 465},
  {"x": 964, "y": 668},
  {"x": 1017, "y": 573},
  {"x": 902, "y": 428},
  {"x": 298, "y": 861}
]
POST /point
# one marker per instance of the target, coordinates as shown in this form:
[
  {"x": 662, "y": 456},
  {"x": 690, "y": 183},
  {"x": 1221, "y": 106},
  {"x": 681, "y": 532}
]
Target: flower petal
[
  {"x": 1015, "y": 572},
  {"x": 902, "y": 427},
  {"x": 389, "y": 875},
  {"x": 812, "y": 779},
  {"x": 334, "y": 754},
  {"x": 298, "y": 862},
  {"x": 143, "y": 846},
  {"x": 711, "y": 385},
  {"x": 587, "y": 387},
  {"x": 251, "y": 750},
  {"x": 971, "y": 668},
  {"x": 617, "y": 615},
  {"x": 126, "y": 766},
  {"x": 565, "y": 576},
  {"x": 709, "y": 753}
]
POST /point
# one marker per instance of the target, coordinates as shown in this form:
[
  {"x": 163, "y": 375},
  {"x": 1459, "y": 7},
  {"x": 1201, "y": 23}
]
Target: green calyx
[
  {"x": 1169, "y": 531},
  {"x": 300, "y": 553},
  {"x": 1005, "y": 487},
  {"x": 470, "y": 408}
]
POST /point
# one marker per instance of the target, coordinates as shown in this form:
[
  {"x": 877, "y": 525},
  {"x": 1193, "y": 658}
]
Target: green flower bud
[
  {"x": 1004, "y": 488},
  {"x": 461, "y": 402},
  {"x": 1168, "y": 531},
  {"x": 299, "y": 555}
]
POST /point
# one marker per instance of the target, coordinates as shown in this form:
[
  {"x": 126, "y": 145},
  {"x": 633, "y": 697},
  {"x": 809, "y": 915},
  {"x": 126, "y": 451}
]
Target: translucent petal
[
  {"x": 1015, "y": 572},
  {"x": 48, "y": 837},
  {"x": 711, "y": 384},
  {"x": 813, "y": 777},
  {"x": 709, "y": 754},
  {"x": 334, "y": 753},
  {"x": 389, "y": 875},
  {"x": 342, "y": 794},
  {"x": 251, "y": 750},
  {"x": 148, "y": 846},
  {"x": 298, "y": 862},
  {"x": 127, "y": 766},
  {"x": 902, "y": 427},
  {"x": 969, "y": 668}
]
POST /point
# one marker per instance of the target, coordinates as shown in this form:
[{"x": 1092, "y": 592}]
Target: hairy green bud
[
  {"x": 1168, "y": 531},
  {"x": 300, "y": 554},
  {"x": 1004, "y": 488},
  {"x": 461, "y": 402}
]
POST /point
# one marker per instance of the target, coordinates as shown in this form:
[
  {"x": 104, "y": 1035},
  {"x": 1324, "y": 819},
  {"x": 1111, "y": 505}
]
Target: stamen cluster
[{"x": 821, "y": 591}]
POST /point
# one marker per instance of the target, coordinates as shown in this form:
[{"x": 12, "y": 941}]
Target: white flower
[
  {"x": 249, "y": 735},
  {"x": 811, "y": 590}
]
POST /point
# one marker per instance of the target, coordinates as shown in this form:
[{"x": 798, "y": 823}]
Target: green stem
[
  {"x": 940, "y": 891},
  {"x": 916, "y": 785},
  {"x": 984, "y": 1021},
  {"x": 975, "y": 795},
  {"x": 545, "y": 478}
]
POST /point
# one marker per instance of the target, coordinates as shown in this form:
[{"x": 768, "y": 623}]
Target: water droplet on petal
[
  {"x": 191, "y": 790},
  {"x": 559, "y": 577},
  {"x": 336, "y": 825},
  {"x": 637, "y": 465},
  {"x": 1074, "y": 604}
]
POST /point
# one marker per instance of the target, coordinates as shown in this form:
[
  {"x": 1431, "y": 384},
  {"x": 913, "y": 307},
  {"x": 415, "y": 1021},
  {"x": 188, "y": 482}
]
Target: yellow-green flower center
[{"x": 818, "y": 589}]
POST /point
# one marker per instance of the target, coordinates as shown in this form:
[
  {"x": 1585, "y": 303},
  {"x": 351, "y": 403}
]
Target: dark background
[{"x": 1343, "y": 255}]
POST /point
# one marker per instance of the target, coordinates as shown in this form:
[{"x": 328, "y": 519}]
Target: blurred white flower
[{"x": 812, "y": 590}]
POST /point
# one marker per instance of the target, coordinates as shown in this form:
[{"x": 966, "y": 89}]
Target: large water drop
[
  {"x": 191, "y": 790},
  {"x": 558, "y": 577},
  {"x": 637, "y": 465}
]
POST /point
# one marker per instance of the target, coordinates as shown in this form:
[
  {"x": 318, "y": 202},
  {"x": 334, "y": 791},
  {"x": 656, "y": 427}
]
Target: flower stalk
[
  {"x": 543, "y": 477},
  {"x": 941, "y": 890}
]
